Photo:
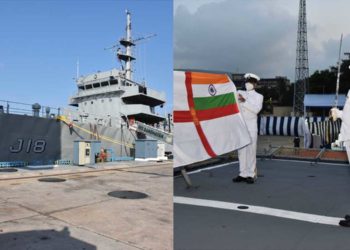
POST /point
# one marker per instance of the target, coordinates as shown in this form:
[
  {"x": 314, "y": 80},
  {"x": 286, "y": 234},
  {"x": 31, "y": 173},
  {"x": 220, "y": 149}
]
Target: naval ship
[{"x": 105, "y": 106}]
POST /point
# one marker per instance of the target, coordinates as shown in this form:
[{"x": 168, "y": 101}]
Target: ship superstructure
[{"x": 113, "y": 94}]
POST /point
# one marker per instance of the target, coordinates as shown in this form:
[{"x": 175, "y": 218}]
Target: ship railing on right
[
  {"x": 317, "y": 132},
  {"x": 302, "y": 138}
]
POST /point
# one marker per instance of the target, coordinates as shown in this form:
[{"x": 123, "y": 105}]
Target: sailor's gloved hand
[{"x": 336, "y": 113}]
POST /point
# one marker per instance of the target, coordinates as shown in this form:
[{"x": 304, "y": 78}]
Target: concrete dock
[{"x": 78, "y": 213}]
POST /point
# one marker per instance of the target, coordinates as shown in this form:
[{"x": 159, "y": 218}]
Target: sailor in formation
[
  {"x": 250, "y": 105},
  {"x": 344, "y": 137}
]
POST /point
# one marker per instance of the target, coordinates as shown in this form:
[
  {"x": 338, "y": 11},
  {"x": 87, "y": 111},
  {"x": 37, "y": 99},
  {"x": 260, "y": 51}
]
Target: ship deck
[
  {"x": 294, "y": 205},
  {"x": 78, "y": 213}
]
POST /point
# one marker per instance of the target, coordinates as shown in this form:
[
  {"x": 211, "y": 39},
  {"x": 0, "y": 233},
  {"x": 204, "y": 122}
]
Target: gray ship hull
[{"x": 37, "y": 140}]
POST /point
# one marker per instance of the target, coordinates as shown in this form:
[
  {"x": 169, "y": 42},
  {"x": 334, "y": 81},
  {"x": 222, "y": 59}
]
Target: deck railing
[{"x": 19, "y": 108}]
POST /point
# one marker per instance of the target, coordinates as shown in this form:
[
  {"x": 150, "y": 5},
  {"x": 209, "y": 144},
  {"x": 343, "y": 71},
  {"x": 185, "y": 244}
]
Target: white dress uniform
[
  {"x": 249, "y": 109},
  {"x": 345, "y": 126}
]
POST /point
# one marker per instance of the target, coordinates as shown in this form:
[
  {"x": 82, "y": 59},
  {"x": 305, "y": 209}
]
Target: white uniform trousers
[{"x": 247, "y": 157}]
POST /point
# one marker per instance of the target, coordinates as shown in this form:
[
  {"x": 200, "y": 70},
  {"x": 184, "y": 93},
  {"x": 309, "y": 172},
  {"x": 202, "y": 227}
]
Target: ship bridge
[{"x": 109, "y": 93}]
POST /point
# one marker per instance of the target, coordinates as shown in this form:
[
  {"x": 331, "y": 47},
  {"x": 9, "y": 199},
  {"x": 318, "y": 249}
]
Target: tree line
[
  {"x": 324, "y": 81},
  {"x": 320, "y": 82}
]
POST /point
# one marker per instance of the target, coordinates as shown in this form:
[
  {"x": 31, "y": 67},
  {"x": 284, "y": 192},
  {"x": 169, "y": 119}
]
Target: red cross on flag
[{"x": 207, "y": 120}]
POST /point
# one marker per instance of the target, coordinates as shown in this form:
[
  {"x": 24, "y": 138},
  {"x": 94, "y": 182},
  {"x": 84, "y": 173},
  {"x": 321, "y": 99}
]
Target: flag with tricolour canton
[{"x": 207, "y": 120}]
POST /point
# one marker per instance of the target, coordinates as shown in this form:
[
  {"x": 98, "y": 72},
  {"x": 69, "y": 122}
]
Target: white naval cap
[{"x": 251, "y": 75}]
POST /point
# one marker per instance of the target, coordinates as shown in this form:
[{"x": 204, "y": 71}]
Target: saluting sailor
[
  {"x": 250, "y": 105},
  {"x": 344, "y": 136}
]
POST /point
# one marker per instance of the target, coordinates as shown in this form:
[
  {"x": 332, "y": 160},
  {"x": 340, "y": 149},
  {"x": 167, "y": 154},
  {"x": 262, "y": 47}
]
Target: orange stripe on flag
[
  {"x": 207, "y": 78},
  {"x": 198, "y": 126}
]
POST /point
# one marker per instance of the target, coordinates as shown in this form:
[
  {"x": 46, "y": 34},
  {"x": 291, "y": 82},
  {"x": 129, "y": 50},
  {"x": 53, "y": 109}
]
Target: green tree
[
  {"x": 324, "y": 81},
  {"x": 344, "y": 84}
]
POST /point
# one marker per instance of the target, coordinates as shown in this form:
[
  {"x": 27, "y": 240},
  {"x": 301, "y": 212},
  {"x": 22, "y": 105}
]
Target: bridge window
[
  {"x": 88, "y": 86},
  {"x": 103, "y": 84},
  {"x": 113, "y": 82},
  {"x": 96, "y": 85},
  {"x": 143, "y": 90}
]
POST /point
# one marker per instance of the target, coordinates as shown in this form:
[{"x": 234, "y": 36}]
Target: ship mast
[{"x": 127, "y": 43}]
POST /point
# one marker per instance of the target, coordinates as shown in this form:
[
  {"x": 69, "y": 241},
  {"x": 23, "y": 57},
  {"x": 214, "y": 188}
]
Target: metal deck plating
[{"x": 287, "y": 208}]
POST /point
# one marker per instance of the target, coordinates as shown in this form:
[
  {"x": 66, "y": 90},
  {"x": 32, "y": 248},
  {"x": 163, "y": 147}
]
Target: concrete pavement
[{"x": 78, "y": 213}]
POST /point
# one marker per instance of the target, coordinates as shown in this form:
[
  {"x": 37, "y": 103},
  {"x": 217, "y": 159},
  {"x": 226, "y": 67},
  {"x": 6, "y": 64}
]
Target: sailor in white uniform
[
  {"x": 344, "y": 136},
  {"x": 250, "y": 105},
  {"x": 344, "y": 114}
]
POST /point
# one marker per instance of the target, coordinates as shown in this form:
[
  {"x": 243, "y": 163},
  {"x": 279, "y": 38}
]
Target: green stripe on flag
[{"x": 203, "y": 103}]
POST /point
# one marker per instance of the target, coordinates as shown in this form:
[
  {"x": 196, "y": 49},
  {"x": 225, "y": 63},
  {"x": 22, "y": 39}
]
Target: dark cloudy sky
[{"x": 257, "y": 35}]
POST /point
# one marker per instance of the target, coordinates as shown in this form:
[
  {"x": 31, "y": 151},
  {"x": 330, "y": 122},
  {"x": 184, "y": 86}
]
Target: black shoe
[
  {"x": 344, "y": 223},
  {"x": 347, "y": 217},
  {"x": 239, "y": 179},
  {"x": 249, "y": 180}
]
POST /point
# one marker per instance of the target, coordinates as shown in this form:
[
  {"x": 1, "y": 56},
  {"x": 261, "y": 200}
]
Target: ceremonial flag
[{"x": 207, "y": 120}]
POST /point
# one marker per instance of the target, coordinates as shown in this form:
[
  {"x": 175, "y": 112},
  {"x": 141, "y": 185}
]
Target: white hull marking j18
[{"x": 37, "y": 146}]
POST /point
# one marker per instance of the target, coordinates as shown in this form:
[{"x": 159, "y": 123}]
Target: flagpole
[{"x": 338, "y": 75}]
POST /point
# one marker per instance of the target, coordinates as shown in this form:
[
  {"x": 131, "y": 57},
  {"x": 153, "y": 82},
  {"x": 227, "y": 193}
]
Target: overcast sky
[{"x": 257, "y": 36}]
